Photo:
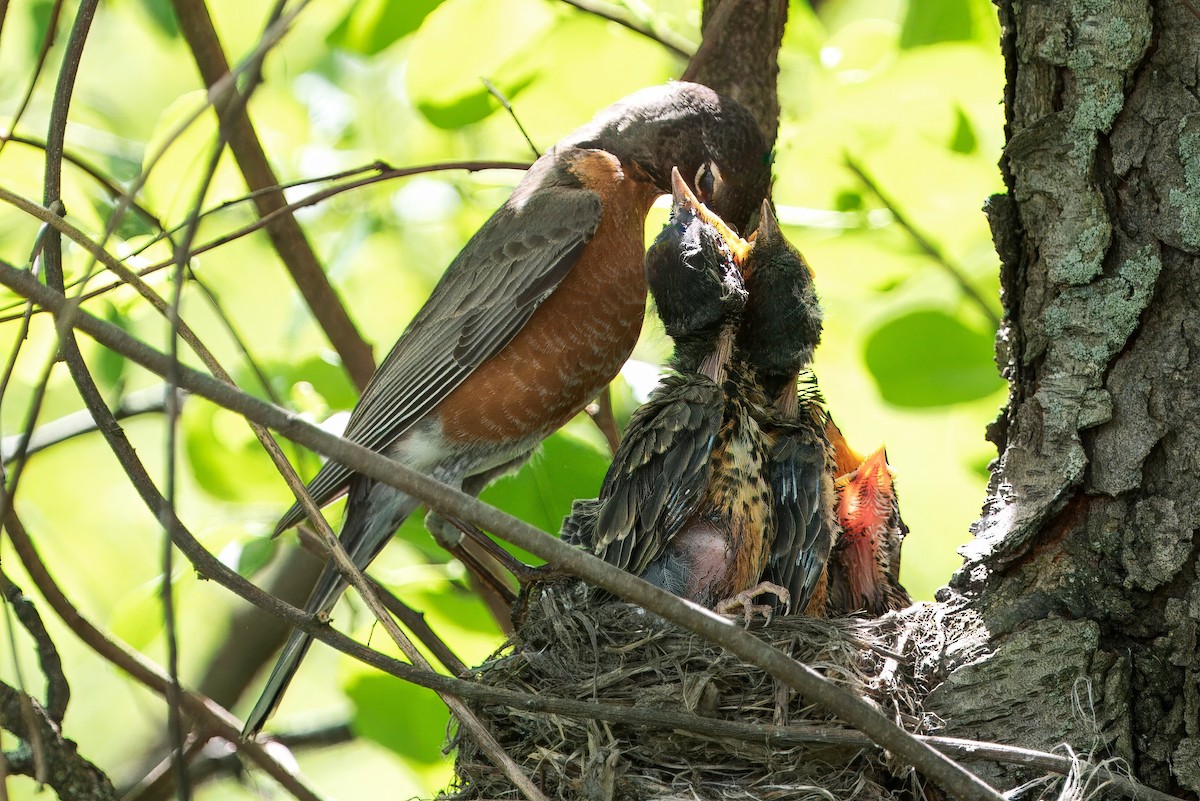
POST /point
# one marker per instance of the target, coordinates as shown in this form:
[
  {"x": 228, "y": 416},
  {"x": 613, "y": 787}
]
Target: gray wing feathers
[
  {"x": 804, "y": 532},
  {"x": 519, "y": 256},
  {"x": 659, "y": 472}
]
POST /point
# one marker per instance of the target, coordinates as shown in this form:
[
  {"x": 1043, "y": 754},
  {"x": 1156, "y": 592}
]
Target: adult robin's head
[
  {"x": 692, "y": 272},
  {"x": 782, "y": 322},
  {"x": 713, "y": 140}
]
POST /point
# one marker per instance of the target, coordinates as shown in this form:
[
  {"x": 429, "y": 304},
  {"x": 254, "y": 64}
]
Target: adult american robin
[
  {"x": 864, "y": 570},
  {"x": 685, "y": 503},
  {"x": 533, "y": 318},
  {"x": 780, "y": 328}
]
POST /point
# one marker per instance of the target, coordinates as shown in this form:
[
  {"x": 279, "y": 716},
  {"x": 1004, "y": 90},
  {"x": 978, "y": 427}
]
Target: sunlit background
[{"x": 908, "y": 92}]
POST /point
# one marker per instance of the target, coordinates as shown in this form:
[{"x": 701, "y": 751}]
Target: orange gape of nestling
[
  {"x": 534, "y": 316},
  {"x": 864, "y": 571}
]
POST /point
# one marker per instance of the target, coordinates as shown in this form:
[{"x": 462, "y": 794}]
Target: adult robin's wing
[
  {"x": 803, "y": 489},
  {"x": 659, "y": 472},
  {"x": 519, "y": 256}
]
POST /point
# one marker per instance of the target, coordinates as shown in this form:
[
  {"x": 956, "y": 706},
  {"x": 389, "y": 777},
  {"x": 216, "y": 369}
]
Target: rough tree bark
[{"x": 1074, "y": 617}]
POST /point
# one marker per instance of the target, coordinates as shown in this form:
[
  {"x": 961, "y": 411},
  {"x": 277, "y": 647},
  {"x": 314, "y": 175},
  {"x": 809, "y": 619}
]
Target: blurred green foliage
[{"x": 909, "y": 89}]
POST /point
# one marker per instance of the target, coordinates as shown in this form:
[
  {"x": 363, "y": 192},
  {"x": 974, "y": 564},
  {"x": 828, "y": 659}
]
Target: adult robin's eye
[{"x": 707, "y": 179}]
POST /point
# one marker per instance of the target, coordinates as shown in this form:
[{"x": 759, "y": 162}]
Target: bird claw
[{"x": 744, "y": 601}]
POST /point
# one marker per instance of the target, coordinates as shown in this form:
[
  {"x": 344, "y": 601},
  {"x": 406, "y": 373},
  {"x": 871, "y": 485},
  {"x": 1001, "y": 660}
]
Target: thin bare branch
[
  {"x": 43, "y": 53},
  {"x": 92, "y": 171},
  {"x": 175, "y": 728},
  {"x": 679, "y": 45},
  {"x": 931, "y": 250},
  {"x": 285, "y": 232},
  {"x": 151, "y": 400},
  {"x": 58, "y": 691}
]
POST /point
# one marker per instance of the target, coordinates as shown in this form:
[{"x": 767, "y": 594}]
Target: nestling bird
[
  {"x": 532, "y": 319},
  {"x": 780, "y": 328},
  {"x": 686, "y": 503},
  {"x": 864, "y": 571},
  {"x": 845, "y": 457}
]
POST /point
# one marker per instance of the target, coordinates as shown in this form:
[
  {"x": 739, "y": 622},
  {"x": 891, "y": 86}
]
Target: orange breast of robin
[{"x": 578, "y": 338}]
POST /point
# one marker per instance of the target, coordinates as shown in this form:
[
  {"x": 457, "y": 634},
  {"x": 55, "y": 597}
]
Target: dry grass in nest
[{"x": 617, "y": 654}]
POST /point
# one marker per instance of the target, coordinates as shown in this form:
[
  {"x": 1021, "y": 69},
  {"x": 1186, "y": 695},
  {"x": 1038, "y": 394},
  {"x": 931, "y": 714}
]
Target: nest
[{"x": 569, "y": 646}]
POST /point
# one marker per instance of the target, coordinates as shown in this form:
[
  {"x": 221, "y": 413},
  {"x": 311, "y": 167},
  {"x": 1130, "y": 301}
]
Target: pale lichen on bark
[{"x": 1082, "y": 296}]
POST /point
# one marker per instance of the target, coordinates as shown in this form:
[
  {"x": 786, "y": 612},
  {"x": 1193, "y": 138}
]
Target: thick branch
[
  {"x": 753, "y": 30},
  {"x": 72, "y": 777}
]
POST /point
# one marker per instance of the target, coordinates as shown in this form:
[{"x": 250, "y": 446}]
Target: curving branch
[
  {"x": 58, "y": 691},
  {"x": 285, "y": 232},
  {"x": 151, "y": 400},
  {"x": 679, "y": 45},
  {"x": 927, "y": 247}
]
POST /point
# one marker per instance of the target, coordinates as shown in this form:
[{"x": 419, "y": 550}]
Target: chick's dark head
[
  {"x": 781, "y": 324},
  {"x": 693, "y": 274}
]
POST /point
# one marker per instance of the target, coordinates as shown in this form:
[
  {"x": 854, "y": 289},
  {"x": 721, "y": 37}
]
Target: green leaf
[
  {"x": 963, "y": 139},
  {"x": 162, "y": 14},
  {"x": 404, "y": 718},
  {"x": 110, "y": 365},
  {"x": 255, "y": 554},
  {"x": 41, "y": 13},
  {"x": 226, "y": 459},
  {"x": 373, "y": 25},
  {"x": 327, "y": 379},
  {"x": 931, "y": 21},
  {"x": 928, "y": 358},
  {"x": 849, "y": 200},
  {"x": 463, "y": 41},
  {"x": 541, "y": 493}
]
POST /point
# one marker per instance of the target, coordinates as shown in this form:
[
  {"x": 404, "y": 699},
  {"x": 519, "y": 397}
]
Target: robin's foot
[
  {"x": 744, "y": 601},
  {"x": 522, "y": 572}
]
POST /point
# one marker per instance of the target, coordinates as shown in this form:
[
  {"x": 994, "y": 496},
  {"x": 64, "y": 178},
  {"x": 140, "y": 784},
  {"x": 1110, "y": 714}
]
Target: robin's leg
[
  {"x": 744, "y": 601},
  {"x": 450, "y": 535},
  {"x": 524, "y": 573},
  {"x": 484, "y": 559}
]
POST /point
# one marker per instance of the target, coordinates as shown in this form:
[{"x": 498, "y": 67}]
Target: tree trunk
[{"x": 1074, "y": 617}]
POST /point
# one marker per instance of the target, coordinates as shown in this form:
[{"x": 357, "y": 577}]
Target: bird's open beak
[
  {"x": 875, "y": 469},
  {"x": 683, "y": 197},
  {"x": 768, "y": 234}
]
